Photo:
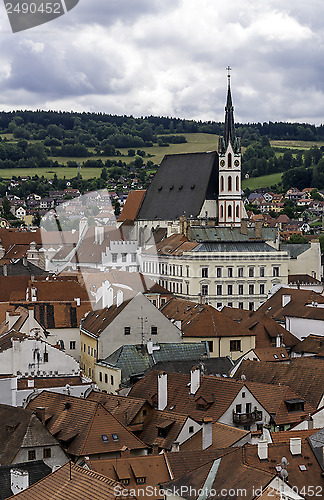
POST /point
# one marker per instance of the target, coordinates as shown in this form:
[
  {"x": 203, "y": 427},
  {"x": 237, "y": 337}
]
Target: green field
[
  {"x": 196, "y": 143},
  {"x": 295, "y": 144},
  {"x": 261, "y": 182}
]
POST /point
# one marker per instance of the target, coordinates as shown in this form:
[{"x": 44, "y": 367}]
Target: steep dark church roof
[
  {"x": 181, "y": 185},
  {"x": 229, "y": 129}
]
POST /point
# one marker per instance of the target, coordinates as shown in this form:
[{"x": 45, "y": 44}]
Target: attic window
[
  {"x": 171, "y": 187},
  {"x": 115, "y": 437},
  {"x": 275, "y": 356},
  {"x": 180, "y": 187},
  {"x": 295, "y": 404},
  {"x": 140, "y": 480},
  {"x": 282, "y": 355},
  {"x": 193, "y": 186},
  {"x": 160, "y": 188},
  {"x": 104, "y": 438},
  {"x": 125, "y": 482},
  {"x": 302, "y": 467}
]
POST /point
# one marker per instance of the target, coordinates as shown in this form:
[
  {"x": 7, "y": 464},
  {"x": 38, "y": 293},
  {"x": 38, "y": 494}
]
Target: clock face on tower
[
  {"x": 222, "y": 163},
  {"x": 236, "y": 163}
]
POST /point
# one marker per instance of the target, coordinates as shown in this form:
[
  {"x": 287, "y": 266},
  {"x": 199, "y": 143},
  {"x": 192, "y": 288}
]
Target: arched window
[
  {"x": 229, "y": 182},
  {"x": 237, "y": 183},
  {"x": 237, "y": 211},
  {"x": 222, "y": 183},
  {"x": 229, "y": 160},
  {"x": 229, "y": 210},
  {"x": 222, "y": 212}
]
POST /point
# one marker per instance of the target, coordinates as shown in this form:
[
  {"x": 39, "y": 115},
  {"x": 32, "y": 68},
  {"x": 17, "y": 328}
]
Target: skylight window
[
  {"x": 115, "y": 437},
  {"x": 104, "y": 438},
  {"x": 302, "y": 467}
]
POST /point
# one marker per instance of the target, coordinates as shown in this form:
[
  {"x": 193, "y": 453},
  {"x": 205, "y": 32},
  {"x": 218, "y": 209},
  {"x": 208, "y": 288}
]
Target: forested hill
[{"x": 99, "y": 126}]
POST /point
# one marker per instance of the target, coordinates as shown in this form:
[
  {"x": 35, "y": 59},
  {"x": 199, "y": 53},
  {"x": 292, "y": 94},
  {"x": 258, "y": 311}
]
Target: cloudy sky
[{"x": 168, "y": 57}]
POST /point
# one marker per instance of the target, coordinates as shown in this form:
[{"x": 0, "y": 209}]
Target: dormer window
[
  {"x": 295, "y": 404},
  {"x": 140, "y": 480}
]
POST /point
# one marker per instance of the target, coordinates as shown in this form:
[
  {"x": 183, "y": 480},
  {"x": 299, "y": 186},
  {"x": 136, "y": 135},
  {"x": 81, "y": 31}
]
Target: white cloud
[{"x": 169, "y": 57}]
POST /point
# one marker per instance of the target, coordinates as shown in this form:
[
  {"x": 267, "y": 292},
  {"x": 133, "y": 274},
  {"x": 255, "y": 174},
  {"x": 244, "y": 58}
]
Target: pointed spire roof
[{"x": 229, "y": 129}]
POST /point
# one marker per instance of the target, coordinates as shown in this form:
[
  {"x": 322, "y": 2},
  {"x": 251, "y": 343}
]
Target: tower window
[
  {"x": 229, "y": 160},
  {"x": 229, "y": 181},
  {"x": 237, "y": 211},
  {"x": 237, "y": 183},
  {"x": 222, "y": 212},
  {"x": 222, "y": 183},
  {"x": 230, "y": 210}
]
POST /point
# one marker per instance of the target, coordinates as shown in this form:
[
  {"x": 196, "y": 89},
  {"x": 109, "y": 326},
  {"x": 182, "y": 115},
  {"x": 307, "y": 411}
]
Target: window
[
  {"x": 114, "y": 257},
  {"x": 219, "y": 305},
  {"x": 84, "y": 347},
  {"x": 124, "y": 257},
  {"x": 106, "y": 378},
  {"x": 115, "y": 436},
  {"x": 229, "y": 289},
  {"x": 230, "y": 272},
  {"x": 140, "y": 480},
  {"x": 154, "y": 330},
  {"x": 251, "y": 289},
  {"x": 100, "y": 376},
  {"x": 230, "y": 184},
  {"x": 72, "y": 345},
  {"x": 222, "y": 183},
  {"x": 219, "y": 290},
  {"x": 240, "y": 289},
  {"x": 230, "y": 304},
  {"x": 127, "y": 330},
  {"x": 45, "y": 358},
  {"x": 248, "y": 408},
  {"x": 31, "y": 454},
  {"x": 47, "y": 453},
  {"x": 111, "y": 380},
  {"x": 210, "y": 345},
  {"x": 229, "y": 210},
  {"x": 91, "y": 351},
  {"x": 238, "y": 409},
  {"x": 204, "y": 272},
  {"x": 237, "y": 183},
  {"x": 262, "y": 289},
  {"x": 204, "y": 289},
  {"x": 162, "y": 302},
  {"x": 229, "y": 160},
  {"x": 251, "y": 272},
  {"x": 104, "y": 437},
  {"x": 218, "y": 272},
  {"x": 240, "y": 305},
  {"x": 251, "y": 306},
  {"x": 243, "y": 394},
  {"x": 133, "y": 257},
  {"x": 237, "y": 211},
  {"x": 235, "y": 345},
  {"x": 88, "y": 349},
  {"x": 125, "y": 482},
  {"x": 275, "y": 271},
  {"x": 240, "y": 272},
  {"x": 262, "y": 272}
]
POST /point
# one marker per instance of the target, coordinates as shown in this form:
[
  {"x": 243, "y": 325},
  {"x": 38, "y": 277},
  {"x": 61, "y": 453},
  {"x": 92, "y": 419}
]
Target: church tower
[{"x": 229, "y": 151}]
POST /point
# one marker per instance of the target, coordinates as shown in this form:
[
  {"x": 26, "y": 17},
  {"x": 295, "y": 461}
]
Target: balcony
[{"x": 247, "y": 418}]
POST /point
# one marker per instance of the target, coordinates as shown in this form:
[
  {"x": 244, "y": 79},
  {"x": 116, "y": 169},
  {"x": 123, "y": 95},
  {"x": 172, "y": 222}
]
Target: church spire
[{"x": 229, "y": 129}]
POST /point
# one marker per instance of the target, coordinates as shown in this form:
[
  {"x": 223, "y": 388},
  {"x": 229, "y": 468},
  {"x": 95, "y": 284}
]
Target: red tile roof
[{"x": 132, "y": 205}]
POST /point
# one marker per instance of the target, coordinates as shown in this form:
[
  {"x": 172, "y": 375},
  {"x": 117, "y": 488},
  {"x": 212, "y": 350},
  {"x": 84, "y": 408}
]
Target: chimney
[
  {"x": 207, "y": 432},
  {"x": 19, "y": 480},
  {"x": 125, "y": 452},
  {"x": 175, "y": 447},
  {"x": 295, "y": 446},
  {"x": 258, "y": 230},
  {"x": 24, "y": 261},
  {"x": 120, "y": 298},
  {"x": 107, "y": 294},
  {"x": 162, "y": 391},
  {"x": 99, "y": 235},
  {"x": 40, "y": 413},
  {"x": 278, "y": 340},
  {"x": 310, "y": 422},
  {"x": 5, "y": 270},
  {"x": 263, "y": 449},
  {"x": 243, "y": 226},
  {"x": 286, "y": 298},
  {"x": 194, "y": 380}
]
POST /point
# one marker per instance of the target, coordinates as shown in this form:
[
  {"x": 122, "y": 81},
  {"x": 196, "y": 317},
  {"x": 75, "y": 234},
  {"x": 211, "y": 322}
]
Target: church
[{"x": 196, "y": 241}]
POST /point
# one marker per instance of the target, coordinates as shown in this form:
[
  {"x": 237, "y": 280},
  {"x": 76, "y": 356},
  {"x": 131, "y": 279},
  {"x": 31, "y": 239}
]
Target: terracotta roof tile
[
  {"x": 79, "y": 425},
  {"x": 132, "y": 205},
  {"x": 224, "y": 436},
  {"x": 72, "y": 482}
]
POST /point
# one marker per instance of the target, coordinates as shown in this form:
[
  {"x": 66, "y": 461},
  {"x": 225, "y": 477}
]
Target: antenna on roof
[{"x": 282, "y": 469}]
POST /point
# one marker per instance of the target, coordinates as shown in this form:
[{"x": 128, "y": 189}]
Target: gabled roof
[
  {"x": 79, "y": 425},
  {"x": 96, "y": 321},
  {"x": 312, "y": 344},
  {"x": 153, "y": 468},
  {"x": 303, "y": 375},
  {"x": 175, "y": 244},
  {"x": 123, "y": 408},
  {"x": 262, "y": 326},
  {"x": 202, "y": 320},
  {"x": 181, "y": 185},
  {"x": 132, "y": 206},
  {"x": 170, "y": 422},
  {"x": 299, "y": 305},
  {"x": 224, "y": 436},
  {"x": 135, "y": 359},
  {"x": 20, "y": 428},
  {"x": 72, "y": 482},
  {"x": 219, "y": 394},
  {"x": 22, "y": 268}
]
